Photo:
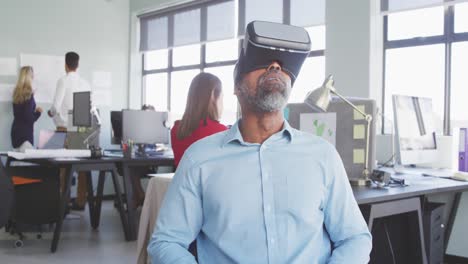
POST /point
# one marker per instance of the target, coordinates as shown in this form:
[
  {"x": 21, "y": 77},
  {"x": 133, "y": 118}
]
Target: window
[
  {"x": 156, "y": 59},
  {"x": 256, "y": 10},
  {"x": 459, "y": 91},
  {"x": 461, "y": 18},
  {"x": 187, "y": 55},
  {"x": 180, "y": 83},
  {"x": 317, "y": 37},
  {"x": 416, "y": 71},
  {"x": 430, "y": 22},
  {"x": 311, "y": 77},
  {"x": 421, "y": 57},
  {"x": 181, "y": 41},
  {"x": 156, "y": 90},
  {"x": 224, "y": 73},
  {"x": 223, "y": 50}
]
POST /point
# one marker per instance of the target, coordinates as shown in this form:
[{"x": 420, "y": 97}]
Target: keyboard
[
  {"x": 117, "y": 153},
  {"x": 439, "y": 173}
]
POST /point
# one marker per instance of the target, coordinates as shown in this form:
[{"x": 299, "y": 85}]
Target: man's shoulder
[
  {"x": 61, "y": 80},
  {"x": 302, "y": 138},
  {"x": 206, "y": 147}
]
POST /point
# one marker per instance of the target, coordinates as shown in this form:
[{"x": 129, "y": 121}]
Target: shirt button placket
[{"x": 267, "y": 205}]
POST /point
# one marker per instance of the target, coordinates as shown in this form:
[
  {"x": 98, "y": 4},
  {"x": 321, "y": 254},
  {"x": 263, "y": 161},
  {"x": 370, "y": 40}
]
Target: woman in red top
[{"x": 202, "y": 112}]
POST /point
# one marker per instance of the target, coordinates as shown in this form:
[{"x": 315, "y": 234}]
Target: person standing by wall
[
  {"x": 62, "y": 104},
  {"x": 25, "y": 111}
]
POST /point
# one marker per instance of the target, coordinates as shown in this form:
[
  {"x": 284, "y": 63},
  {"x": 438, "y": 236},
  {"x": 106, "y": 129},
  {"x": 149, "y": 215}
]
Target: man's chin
[{"x": 269, "y": 107}]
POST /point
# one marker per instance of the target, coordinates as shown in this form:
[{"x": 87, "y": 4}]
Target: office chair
[{"x": 6, "y": 196}]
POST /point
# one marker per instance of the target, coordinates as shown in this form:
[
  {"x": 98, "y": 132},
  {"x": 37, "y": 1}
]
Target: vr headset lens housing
[{"x": 266, "y": 42}]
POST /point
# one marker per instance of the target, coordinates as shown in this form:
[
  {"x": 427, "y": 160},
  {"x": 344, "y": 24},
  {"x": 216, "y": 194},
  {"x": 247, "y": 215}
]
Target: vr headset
[{"x": 266, "y": 42}]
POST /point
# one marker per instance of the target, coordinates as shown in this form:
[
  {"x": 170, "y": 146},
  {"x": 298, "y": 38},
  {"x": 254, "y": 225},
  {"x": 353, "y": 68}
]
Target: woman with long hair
[
  {"x": 202, "y": 112},
  {"x": 25, "y": 111}
]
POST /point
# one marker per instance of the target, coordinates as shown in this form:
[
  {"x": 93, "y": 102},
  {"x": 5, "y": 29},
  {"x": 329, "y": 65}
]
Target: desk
[
  {"x": 391, "y": 200},
  {"x": 157, "y": 160},
  {"x": 106, "y": 164},
  {"x": 71, "y": 166}
]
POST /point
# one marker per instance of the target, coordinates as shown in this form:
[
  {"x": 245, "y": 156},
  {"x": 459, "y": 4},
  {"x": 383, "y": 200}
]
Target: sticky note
[
  {"x": 357, "y": 115},
  {"x": 358, "y": 156},
  {"x": 359, "y": 132}
]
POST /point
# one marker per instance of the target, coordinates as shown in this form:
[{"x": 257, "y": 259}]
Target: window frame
[
  {"x": 203, "y": 64},
  {"x": 447, "y": 38}
]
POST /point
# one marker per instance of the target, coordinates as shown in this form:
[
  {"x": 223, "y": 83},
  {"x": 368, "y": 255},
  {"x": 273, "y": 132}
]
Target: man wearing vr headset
[{"x": 262, "y": 192}]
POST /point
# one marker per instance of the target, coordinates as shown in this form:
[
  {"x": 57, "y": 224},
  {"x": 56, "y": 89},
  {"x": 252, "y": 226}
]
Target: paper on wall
[
  {"x": 357, "y": 115},
  {"x": 101, "y": 97},
  {"x": 102, "y": 79},
  {"x": 47, "y": 71},
  {"x": 6, "y": 92},
  {"x": 359, "y": 132},
  {"x": 319, "y": 124},
  {"x": 358, "y": 156},
  {"x": 8, "y": 67}
]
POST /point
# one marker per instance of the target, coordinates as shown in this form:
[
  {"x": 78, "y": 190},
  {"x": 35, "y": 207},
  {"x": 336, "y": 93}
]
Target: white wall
[
  {"x": 353, "y": 52},
  {"x": 97, "y": 29}
]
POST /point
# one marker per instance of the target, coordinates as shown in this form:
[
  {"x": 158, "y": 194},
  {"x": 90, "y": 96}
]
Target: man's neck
[{"x": 258, "y": 127}]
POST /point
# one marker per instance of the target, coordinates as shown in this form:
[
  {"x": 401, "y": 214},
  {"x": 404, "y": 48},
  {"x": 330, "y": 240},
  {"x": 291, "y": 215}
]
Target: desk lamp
[{"x": 320, "y": 98}]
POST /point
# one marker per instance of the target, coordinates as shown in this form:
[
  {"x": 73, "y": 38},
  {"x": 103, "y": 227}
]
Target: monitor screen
[
  {"x": 144, "y": 127},
  {"x": 116, "y": 122},
  {"x": 82, "y": 109},
  {"x": 415, "y": 130}
]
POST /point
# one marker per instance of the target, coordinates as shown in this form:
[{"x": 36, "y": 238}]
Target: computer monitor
[
  {"x": 82, "y": 109},
  {"x": 144, "y": 127},
  {"x": 116, "y": 122},
  {"x": 414, "y": 130}
]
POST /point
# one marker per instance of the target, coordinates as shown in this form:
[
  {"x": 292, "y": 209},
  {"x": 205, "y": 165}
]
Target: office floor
[{"x": 79, "y": 243}]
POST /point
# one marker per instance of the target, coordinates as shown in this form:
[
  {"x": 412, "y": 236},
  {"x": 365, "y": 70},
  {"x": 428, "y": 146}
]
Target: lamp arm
[
  {"x": 350, "y": 104},
  {"x": 366, "y": 171},
  {"x": 368, "y": 118},
  {"x": 92, "y": 135}
]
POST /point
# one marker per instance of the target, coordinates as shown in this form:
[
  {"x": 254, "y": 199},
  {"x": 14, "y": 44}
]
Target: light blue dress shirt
[{"x": 287, "y": 200}]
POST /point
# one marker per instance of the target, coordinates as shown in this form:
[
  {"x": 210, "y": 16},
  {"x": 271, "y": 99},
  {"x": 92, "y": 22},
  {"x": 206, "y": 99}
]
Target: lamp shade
[{"x": 320, "y": 98}]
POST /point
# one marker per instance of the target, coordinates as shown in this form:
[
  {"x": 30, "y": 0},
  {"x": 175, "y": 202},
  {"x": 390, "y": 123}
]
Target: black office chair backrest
[{"x": 6, "y": 195}]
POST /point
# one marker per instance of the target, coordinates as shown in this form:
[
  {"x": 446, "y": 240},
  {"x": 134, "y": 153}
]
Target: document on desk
[
  {"x": 50, "y": 153},
  {"x": 67, "y": 159}
]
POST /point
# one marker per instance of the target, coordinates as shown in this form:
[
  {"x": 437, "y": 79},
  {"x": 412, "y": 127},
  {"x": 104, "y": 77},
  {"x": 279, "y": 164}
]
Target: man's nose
[{"x": 274, "y": 66}]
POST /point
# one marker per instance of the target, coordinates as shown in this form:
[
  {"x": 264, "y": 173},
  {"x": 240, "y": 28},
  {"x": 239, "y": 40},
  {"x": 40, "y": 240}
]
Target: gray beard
[{"x": 265, "y": 100}]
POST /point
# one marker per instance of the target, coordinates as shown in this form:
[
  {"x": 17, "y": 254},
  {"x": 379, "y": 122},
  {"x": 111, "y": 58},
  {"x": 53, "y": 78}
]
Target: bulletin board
[{"x": 342, "y": 126}]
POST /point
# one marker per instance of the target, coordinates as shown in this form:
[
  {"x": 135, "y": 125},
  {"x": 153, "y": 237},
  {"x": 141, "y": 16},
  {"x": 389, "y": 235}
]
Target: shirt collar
[{"x": 234, "y": 133}]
